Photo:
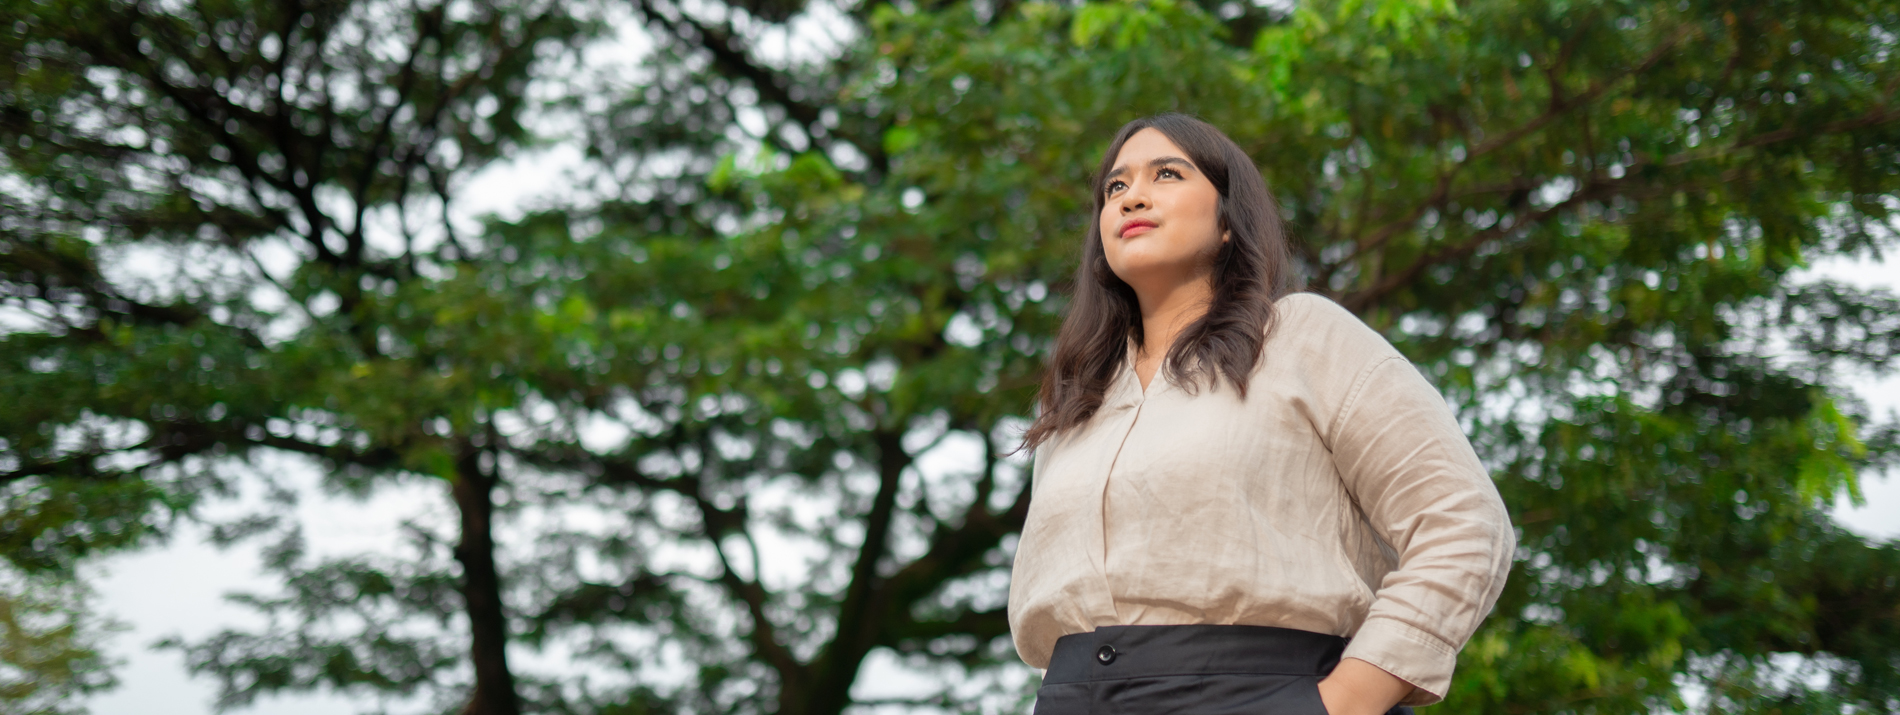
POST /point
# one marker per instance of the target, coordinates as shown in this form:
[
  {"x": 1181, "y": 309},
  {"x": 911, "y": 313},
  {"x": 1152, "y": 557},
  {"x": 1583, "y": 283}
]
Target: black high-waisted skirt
[{"x": 1190, "y": 670}]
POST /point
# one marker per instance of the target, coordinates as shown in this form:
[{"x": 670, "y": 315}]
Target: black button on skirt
[{"x": 1190, "y": 670}]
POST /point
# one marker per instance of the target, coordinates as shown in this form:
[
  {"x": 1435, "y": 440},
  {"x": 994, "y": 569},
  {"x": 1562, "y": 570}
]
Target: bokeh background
[{"x": 669, "y": 356}]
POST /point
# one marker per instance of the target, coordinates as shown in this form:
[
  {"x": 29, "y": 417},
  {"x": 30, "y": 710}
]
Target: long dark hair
[{"x": 1252, "y": 269}]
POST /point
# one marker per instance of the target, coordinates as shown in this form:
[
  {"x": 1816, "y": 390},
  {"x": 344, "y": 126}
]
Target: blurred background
[{"x": 671, "y": 355}]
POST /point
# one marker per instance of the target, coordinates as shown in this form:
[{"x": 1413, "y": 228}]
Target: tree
[
  {"x": 47, "y": 657},
  {"x": 812, "y": 276},
  {"x": 1583, "y": 220},
  {"x": 212, "y": 212}
]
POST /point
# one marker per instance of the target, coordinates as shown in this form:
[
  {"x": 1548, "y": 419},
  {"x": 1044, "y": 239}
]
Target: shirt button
[{"x": 1106, "y": 655}]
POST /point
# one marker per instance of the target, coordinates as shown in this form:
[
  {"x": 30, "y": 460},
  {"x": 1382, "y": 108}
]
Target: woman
[{"x": 1231, "y": 477}]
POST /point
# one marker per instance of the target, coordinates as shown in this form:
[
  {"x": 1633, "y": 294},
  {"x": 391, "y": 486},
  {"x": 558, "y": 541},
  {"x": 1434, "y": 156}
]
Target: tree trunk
[
  {"x": 481, "y": 590},
  {"x": 861, "y": 615}
]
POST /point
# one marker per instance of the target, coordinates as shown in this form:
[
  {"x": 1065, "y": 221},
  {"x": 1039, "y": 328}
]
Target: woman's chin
[{"x": 1138, "y": 271}]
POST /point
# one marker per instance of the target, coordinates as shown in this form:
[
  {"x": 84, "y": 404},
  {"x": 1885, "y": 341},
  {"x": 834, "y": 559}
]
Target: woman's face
[{"x": 1160, "y": 215}]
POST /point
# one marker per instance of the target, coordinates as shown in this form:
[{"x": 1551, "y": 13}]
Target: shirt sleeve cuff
[{"x": 1411, "y": 654}]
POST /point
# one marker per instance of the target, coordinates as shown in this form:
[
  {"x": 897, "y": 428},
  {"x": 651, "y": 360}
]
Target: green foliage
[
  {"x": 746, "y": 410},
  {"x": 47, "y": 655},
  {"x": 194, "y": 281}
]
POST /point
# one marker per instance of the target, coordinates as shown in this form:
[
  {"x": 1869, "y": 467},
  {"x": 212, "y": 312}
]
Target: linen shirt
[{"x": 1340, "y": 496}]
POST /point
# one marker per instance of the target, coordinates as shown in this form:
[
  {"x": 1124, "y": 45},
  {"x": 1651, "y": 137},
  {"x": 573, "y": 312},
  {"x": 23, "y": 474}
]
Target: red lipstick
[{"x": 1135, "y": 227}]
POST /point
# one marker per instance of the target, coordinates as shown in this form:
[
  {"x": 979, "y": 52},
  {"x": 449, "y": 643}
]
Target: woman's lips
[{"x": 1136, "y": 228}]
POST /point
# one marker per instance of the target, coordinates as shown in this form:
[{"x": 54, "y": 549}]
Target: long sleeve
[{"x": 1409, "y": 467}]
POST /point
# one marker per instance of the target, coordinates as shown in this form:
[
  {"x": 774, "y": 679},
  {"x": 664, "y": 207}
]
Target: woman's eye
[
  {"x": 1167, "y": 173},
  {"x": 1113, "y": 186}
]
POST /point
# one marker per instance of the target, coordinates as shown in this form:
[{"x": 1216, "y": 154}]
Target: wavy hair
[{"x": 1253, "y": 269}]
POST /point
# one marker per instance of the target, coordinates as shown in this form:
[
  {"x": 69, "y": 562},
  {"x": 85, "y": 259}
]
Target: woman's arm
[
  {"x": 1356, "y": 687},
  {"x": 1412, "y": 472}
]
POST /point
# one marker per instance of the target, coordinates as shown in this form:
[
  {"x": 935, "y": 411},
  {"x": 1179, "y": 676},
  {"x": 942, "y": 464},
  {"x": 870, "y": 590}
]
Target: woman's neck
[{"x": 1163, "y": 316}]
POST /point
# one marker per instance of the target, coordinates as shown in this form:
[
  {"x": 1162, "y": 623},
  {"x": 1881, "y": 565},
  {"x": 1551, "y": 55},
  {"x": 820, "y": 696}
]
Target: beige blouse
[{"x": 1339, "y": 497}]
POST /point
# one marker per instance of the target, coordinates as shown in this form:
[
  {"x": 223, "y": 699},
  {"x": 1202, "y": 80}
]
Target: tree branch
[
  {"x": 430, "y": 26},
  {"x": 1559, "y": 107}
]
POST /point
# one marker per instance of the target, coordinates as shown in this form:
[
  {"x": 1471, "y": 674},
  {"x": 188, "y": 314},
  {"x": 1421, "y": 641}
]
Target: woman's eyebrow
[{"x": 1154, "y": 163}]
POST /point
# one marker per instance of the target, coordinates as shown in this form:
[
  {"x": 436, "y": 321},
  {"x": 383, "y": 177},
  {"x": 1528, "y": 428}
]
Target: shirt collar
[{"x": 1127, "y": 385}]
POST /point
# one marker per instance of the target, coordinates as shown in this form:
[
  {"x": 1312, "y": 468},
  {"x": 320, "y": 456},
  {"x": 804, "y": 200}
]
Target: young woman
[{"x": 1245, "y": 500}]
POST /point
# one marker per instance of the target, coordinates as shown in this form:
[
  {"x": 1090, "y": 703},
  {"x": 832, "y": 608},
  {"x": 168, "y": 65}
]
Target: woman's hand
[{"x": 1360, "y": 688}]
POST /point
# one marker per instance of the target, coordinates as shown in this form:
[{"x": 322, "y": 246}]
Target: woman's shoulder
[
  {"x": 1307, "y": 305},
  {"x": 1310, "y": 321}
]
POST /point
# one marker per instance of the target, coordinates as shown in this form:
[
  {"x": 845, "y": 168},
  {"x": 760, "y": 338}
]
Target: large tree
[
  {"x": 215, "y": 214},
  {"x": 753, "y": 402}
]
